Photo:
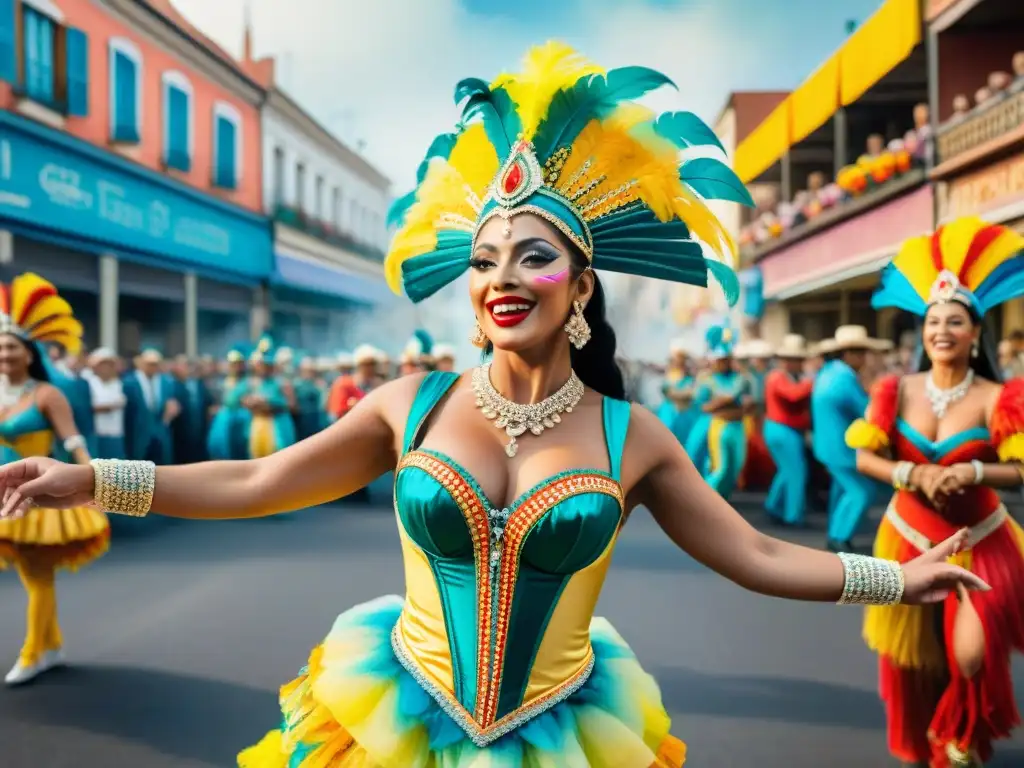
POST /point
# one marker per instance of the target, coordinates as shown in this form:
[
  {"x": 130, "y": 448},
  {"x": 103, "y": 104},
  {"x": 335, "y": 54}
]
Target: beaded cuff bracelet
[
  {"x": 871, "y": 580},
  {"x": 124, "y": 487}
]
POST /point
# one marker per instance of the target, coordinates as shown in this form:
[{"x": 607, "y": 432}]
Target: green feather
[
  {"x": 685, "y": 129},
  {"x": 714, "y": 180},
  {"x": 398, "y": 209},
  {"x": 495, "y": 109},
  {"x": 591, "y": 97},
  {"x": 425, "y": 275},
  {"x": 440, "y": 147}
]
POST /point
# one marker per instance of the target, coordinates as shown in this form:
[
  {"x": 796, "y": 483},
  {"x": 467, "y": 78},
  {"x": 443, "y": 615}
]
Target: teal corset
[{"x": 499, "y": 600}]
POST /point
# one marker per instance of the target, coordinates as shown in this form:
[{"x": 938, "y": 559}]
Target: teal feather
[
  {"x": 632, "y": 264},
  {"x": 685, "y": 130},
  {"x": 425, "y": 275},
  {"x": 714, "y": 335},
  {"x": 591, "y": 97},
  {"x": 714, "y": 180},
  {"x": 425, "y": 341},
  {"x": 398, "y": 209},
  {"x": 440, "y": 147},
  {"x": 495, "y": 109}
]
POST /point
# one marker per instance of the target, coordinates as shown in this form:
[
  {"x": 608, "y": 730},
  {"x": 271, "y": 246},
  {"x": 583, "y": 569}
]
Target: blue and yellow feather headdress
[
  {"x": 969, "y": 261},
  {"x": 264, "y": 351},
  {"x": 721, "y": 341},
  {"x": 563, "y": 140}
]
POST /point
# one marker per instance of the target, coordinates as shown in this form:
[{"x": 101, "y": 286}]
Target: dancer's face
[
  {"x": 523, "y": 282},
  {"x": 14, "y": 356},
  {"x": 949, "y": 333}
]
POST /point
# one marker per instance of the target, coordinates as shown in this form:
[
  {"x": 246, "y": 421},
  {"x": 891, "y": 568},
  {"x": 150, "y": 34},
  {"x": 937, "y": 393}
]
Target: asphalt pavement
[{"x": 181, "y": 635}]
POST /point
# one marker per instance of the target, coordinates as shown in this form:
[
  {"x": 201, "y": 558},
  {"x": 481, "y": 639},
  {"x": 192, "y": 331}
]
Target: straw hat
[
  {"x": 793, "y": 347},
  {"x": 741, "y": 350},
  {"x": 444, "y": 352},
  {"x": 856, "y": 337},
  {"x": 759, "y": 349},
  {"x": 364, "y": 354}
]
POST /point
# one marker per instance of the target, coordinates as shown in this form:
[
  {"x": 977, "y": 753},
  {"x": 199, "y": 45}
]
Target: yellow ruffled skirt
[
  {"x": 355, "y": 706},
  {"x": 62, "y": 538}
]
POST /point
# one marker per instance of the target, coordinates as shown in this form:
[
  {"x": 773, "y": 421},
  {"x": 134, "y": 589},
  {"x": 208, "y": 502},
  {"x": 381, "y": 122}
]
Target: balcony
[
  {"x": 988, "y": 129},
  {"x": 326, "y": 232}
]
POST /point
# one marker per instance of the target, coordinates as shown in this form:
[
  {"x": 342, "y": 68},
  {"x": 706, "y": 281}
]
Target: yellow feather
[
  {"x": 1006, "y": 246},
  {"x": 65, "y": 325},
  {"x": 955, "y": 240},
  {"x": 914, "y": 261},
  {"x": 47, "y": 307},
  {"x": 475, "y": 159},
  {"x": 546, "y": 70}
]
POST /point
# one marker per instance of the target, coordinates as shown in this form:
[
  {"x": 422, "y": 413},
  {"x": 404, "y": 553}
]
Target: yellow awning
[
  {"x": 765, "y": 145},
  {"x": 878, "y": 46},
  {"x": 816, "y": 100}
]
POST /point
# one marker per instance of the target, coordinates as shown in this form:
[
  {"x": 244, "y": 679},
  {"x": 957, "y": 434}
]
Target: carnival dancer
[
  {"x": 150, "y": 409},
  {"x": 726, "y": 393},
  {"x": 837, "y": 400},
  {"x": 947, "y": 439},
  {"x": 444, "y": 357},
  {"x": 310, "y": 416},
  {"x": 265, "y": 421},
  {"x": 787, "y": 422},
  {"x": 349, "y": 390},
  {"x": 494, "y": 657},
  {"x": 759, "y": 469},
  {"x": 108, "y": 403},
  {"x": 34, "y": 415},
  {"x": 679, "y": 410}
]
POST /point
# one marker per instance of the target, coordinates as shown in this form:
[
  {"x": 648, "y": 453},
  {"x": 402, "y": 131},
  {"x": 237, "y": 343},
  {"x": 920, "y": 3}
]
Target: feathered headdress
[
  {"x": 420, "y": 345},
  {"x": 977, "y": 264},
  {"x": 563, "y": 140},
  {"x": 264, "y": 351},
  {"x": 721, "y": 340},
  {"x": 32, "y": 310},
  {"x": 239, "y": 353}
]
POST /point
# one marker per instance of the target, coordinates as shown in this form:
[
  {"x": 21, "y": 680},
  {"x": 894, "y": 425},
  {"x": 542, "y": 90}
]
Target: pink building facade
[{"x": 130, "y": 171}]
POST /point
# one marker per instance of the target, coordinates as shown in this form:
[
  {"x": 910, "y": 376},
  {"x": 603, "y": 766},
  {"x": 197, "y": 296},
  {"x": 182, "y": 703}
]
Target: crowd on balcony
[
  {"x": 881, "y": 163},
  {"x": 998, "y": 86}
]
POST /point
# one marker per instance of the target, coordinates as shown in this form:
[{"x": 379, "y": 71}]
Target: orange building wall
[{"x": 95, "y": 128}]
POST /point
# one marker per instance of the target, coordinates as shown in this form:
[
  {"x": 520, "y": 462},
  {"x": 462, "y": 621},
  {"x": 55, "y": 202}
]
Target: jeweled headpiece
[
  {"x": 264, "y": 351},
  {"x": 563, "y": 140},
  {"x": 968, "y": 261},
  {"x": 32, "y": 310}
]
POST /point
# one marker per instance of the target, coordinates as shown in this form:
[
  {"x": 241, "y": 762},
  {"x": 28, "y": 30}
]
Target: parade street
[{"x": 180, "y": 637}]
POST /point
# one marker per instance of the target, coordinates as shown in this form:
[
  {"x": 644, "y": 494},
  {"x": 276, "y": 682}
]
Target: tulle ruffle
[
  {"x": 66, "y": 538},
  {"x": 355, "y": 705}
]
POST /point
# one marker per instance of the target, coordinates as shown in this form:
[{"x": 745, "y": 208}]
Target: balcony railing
[
  {"x": 326, "y": 232},
  {"x": 981, "y": 127}
]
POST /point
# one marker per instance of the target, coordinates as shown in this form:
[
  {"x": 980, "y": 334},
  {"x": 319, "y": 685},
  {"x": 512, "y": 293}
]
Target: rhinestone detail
[{"x": 871, "y": 580}]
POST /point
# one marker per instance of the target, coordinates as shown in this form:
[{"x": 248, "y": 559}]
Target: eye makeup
[{"x": 555, "y": 278}]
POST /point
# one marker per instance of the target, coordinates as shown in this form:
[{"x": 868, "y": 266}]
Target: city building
[
  {"x": 131, "y": 172},
  {"x": 328, "y": 207},
  {"x": 978, "y": 101},
  {"x": 848, "y": 153}
]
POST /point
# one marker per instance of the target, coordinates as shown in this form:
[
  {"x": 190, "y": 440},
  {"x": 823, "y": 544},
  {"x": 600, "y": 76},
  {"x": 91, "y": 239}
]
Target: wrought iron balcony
[
  {"x": 326, "y": 232},
  {"x": 985, "y": 124}
]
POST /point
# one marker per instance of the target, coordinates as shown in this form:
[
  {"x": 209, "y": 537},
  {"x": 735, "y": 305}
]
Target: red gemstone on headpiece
[{"x": 513, "y": 179}]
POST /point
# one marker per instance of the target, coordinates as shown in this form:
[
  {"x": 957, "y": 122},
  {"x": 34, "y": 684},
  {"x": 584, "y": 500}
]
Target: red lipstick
[{"x": 510, "y": 311}]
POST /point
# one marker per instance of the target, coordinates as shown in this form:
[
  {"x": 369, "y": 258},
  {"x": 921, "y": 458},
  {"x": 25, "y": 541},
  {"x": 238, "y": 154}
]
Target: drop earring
[
  {"x": 975, "y": 348},
  {"x": 577, "y": 328},
  {"x": 477, "y": 337}
]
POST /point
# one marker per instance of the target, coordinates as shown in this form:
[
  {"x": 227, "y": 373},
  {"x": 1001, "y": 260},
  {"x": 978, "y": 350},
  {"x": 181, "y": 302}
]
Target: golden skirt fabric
[{"x": 67, "y": 538}]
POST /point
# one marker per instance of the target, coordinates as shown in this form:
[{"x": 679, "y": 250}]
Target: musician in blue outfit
[
  {"x": 150, "y": 409},
  {"x": 679, "y": 410},
  {"x": 837, "y": 400},
  {"x": 310, "y": 415},
  {"x": 725, "y": 394},
  {"x": 69, "y": 379},
  {"x": 264, "y": 425},
  {"x": 225, "y": 438}
]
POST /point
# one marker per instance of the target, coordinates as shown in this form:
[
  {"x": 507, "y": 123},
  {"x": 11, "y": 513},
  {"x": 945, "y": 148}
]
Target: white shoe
[
  {"x": 51, "y": 659},
  {"x": 23, "y": 673}
]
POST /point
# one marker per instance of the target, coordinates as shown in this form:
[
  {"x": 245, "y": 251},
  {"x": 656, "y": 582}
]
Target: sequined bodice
[
  {"x": 499, "y": 600},
  {"x": 25, "y": 434}
]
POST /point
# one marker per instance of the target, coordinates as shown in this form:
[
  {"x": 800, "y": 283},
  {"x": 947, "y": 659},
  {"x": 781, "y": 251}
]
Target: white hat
[
  {"x": 101, "y": 354},
  {"x": 759, "y": 349},
  {"x": 677, "y": 347},
  {"x": 284, "y": 355},
  {"x": 793, "y": 347},
  {"x": 151, "y": 356},
  {"x": 856, "y": 337},
  {"x": 740, "y": 350},
  {"x": 380, "y": 356},
  {"x": 444, "y": 352},
  {"x": 364, "y": 353},
  {"x": 344, "y": 360}
]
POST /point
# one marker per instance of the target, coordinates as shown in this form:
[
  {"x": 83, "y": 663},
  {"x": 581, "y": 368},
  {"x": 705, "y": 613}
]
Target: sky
[{"x": 380, "y": 73}]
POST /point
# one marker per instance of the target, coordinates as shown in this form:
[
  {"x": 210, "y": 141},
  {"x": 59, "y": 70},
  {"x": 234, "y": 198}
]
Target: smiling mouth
[{"x": 511, "y": 311}]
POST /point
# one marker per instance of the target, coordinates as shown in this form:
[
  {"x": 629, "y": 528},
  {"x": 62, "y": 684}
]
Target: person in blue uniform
[
  {"x": 189, "y": 429},
  {"x": 310, "y": 416},
  {"x": 150, "y": 409},
  {"x": 265, "y": 420},
  {"x": 225, "y": 439},
  {"x": 68, "y": 377},
  {"x": 837, "y": 400},
  {"x": 679, "y": 411}
]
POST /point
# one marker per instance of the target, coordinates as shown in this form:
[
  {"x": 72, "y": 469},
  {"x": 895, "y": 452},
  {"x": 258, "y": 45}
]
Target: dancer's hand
[
  {"x": 928, "y": 479},
  {"x": 43, "y": 482},
  {"x": 956, "y": 478},
  {"x": 929, "y": 578}
]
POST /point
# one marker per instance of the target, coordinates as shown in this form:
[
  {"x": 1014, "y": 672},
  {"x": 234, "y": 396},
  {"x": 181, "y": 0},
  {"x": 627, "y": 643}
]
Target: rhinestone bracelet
[
  {"x": 124, "y": 487},
  {"x": 871, "y": 580}
]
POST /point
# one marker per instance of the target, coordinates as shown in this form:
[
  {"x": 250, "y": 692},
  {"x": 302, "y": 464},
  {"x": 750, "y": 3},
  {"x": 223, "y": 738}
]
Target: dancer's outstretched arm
[{"x": 343, "y": 458}]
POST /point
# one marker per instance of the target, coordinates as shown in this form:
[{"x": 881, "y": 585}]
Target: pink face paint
[{"x": 555, "y": 278}]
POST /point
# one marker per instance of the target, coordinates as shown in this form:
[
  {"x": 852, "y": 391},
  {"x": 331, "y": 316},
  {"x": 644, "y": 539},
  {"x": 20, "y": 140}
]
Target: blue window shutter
[
  {"x": 8, "y": 63},
  {"x": 226, "y": 173},
  {"x": 76, "y": 44},
  {"x": 45, "y": 32},
  {"x": 125, "y": 113},
  {"x": 177, "y": 129}
]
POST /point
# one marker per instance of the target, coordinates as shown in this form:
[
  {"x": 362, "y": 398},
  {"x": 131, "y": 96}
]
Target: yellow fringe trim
[
  {"x": 864, "y": 435},
  {"x": 1012, "y": 448},
  {"x": 904, "y": 633}
]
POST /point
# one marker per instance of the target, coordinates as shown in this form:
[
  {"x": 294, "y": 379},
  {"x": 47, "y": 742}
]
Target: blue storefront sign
[
  {"x": 54, "y": 184},
  {"x": 752, "y": 285}
]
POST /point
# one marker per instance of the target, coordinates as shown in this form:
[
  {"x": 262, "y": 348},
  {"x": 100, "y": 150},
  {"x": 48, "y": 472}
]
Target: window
[
  {"x": 39, "y": 33},
  {"x": 319, "y": 199},
  {"x": 300, "y": 187},
  {"x": 178, "y": 130},
  {"x": 278, "y": 179},
  {"x": 125, "y": 90},
  {"x": 336, "y": 208},
  {"x": 227, "y": 146}
]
